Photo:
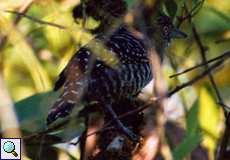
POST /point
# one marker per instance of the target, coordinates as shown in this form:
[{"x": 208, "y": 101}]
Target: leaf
[
  {"x": 171, "y": 7},
  {"x": 208, "y": 119},
  {"x": 186, "y": 147},
  {"x": 32, "y": 111},
  {"x": 192, "y": 120}
]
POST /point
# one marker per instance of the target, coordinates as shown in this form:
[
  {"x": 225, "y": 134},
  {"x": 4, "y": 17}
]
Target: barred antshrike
[{"x": 110, "y": 68}]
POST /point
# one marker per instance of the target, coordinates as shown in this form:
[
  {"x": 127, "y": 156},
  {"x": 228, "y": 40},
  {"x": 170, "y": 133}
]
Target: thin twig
[
  {"x": 224, "y": 105},
  {"x": 191, "y": 14},
  {"x": 227, "y": 54},
  {"x": 206, "y": 72},
  {"x": 41, "y": 146},
  {"x": 37, "y": 20},
  {"x": 46, "y": 23},
  {"x": 46, "y": 130},
  {"x": 85, "y": 136}
]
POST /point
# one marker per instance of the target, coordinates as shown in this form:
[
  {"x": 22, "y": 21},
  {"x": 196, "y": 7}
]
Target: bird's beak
[{"x": 176, "y": 33}]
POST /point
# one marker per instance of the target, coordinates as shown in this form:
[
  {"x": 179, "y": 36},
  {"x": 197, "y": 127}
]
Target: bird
[{"x": 109, "y": 68}]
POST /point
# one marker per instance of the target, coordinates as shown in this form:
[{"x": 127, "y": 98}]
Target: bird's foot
[
  {"x": 121, "y": 127},
  {"x": 129, "y": 132}
]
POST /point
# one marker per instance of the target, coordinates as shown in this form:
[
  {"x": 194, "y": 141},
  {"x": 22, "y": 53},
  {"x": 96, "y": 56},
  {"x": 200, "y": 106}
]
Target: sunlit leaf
[{"x": 208, "y": 119}]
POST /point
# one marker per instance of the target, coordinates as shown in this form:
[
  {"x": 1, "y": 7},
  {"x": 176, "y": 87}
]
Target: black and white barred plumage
[{"x": 108, "y": 68}]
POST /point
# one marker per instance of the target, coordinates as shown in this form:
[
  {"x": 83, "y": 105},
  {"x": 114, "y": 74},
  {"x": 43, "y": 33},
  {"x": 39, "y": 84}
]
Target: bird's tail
[{"x": 66, "y": 101}]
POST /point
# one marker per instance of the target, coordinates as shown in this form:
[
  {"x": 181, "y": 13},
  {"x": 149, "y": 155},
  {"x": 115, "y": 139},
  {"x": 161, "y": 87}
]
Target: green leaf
[
  {"x": 186, "y": 147},
  {"x": 192, "y": 120},
  {"x": 32, "y": 111},
  {"x": 171, "y": 7}
]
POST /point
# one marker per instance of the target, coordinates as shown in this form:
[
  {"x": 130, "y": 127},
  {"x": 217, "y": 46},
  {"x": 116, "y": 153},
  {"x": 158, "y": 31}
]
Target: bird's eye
[{"x": 166, "y": 29}]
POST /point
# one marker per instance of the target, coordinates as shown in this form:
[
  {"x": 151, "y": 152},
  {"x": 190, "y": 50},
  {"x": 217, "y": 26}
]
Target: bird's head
[{"x": 167, "y": 30}]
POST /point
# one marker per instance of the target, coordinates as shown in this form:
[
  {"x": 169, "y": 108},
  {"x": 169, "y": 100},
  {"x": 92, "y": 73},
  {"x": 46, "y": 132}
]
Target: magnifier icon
[{"x": 9, "y": 147}]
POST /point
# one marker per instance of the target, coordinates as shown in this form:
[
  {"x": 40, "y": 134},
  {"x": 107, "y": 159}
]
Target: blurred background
[{"x": 32, "y": 56}]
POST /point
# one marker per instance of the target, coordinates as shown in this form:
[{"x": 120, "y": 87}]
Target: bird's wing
[{"x": 74, "y": 79}]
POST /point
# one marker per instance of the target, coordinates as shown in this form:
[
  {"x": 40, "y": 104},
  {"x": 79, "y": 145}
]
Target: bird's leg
[{"x": 125, "y": 129}]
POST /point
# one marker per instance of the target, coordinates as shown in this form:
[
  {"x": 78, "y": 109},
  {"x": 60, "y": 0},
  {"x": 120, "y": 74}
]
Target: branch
[
  {"x": 225, "y": 55},
  {"x": 37, "y": 20},
  {"x": 201, "y": 76},
  {"x": 43, "y": 132},
  {"x": 82, "y": 138},
  {"x": 191, "y": 13},
  {"x": 44, "y": 22}
]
